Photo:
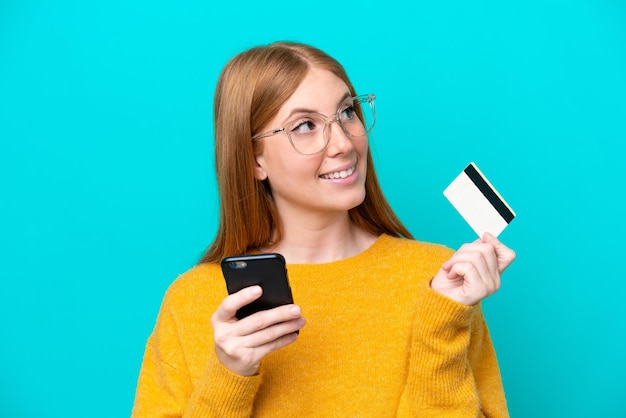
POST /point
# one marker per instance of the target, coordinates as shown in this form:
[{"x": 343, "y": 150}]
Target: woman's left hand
[{"x": 473, "y": 272}]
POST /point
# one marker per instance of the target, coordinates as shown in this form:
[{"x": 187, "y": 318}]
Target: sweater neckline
[{"x": 367, "y": 253}]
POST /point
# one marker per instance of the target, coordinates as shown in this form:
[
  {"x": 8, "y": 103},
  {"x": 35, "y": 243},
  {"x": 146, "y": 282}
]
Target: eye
[
  {"x": 305, "y": 126},
  {"x": 347, "y": 113}
]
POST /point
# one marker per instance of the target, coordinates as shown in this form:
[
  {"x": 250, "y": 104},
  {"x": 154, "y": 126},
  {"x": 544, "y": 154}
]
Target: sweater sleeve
[
  {"x": 453, "y": 370},
  {"x": 166, "y": 388}
]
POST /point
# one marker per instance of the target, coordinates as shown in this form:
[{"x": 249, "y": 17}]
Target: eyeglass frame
[{"x": 365, "y": 98}]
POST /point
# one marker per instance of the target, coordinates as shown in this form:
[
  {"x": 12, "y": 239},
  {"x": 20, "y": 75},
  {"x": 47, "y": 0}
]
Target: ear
[{"x": 259, "y": 171}]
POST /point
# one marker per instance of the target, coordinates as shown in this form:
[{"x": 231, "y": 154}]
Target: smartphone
[{"x": 266, "y": 270}]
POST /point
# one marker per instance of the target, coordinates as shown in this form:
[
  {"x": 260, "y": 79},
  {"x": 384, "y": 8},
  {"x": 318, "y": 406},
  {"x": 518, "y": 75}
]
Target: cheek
[
  {"x": 290, "y": 167},
  {"x": 361, "y": 146},
  {"x": 366, "y": 143}
]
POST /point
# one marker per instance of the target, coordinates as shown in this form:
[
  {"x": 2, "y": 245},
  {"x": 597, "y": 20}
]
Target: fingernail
[
  {"x": 255, "y": 290},
  {"x": 294, "y": 310}
]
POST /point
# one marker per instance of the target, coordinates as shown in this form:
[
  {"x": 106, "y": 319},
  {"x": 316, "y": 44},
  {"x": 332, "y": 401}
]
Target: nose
[{"x": 338, "y": 141}]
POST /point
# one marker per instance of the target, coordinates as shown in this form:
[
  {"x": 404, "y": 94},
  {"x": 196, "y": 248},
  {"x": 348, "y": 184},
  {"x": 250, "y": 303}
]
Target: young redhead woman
[{"x": 393, "y": 327}]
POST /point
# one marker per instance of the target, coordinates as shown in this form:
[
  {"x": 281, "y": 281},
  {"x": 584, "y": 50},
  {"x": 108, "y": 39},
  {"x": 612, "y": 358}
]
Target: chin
[{"x": 353, "y": 203}]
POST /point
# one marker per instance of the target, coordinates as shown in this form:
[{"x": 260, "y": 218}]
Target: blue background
[{"x": 107, "y": 190}]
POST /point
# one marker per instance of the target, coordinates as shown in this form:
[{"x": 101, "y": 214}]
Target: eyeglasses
[{"x": 309, "y": 135}]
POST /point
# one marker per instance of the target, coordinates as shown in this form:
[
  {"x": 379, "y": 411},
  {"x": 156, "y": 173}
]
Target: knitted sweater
[{"x": 378, "y": 342}]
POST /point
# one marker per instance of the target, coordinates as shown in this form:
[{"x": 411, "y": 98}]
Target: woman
[{"x": 394, "y": 326}]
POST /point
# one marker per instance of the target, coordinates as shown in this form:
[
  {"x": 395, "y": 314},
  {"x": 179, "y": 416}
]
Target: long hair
[{"x": 250, "y": 91}]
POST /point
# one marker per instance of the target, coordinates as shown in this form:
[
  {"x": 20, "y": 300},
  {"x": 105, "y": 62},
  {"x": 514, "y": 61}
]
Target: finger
[
  {"x": 474, "y": 285},
  {"x": 461, "y": 269},
  {"x": 270, "y": 334},
  {"x": 481, "y": 255},
  {"x": 504, "y": 255},
  {"x": 462, "y": 249},
  {"x": 276, "y": 344},
  {"x": 468, "y": 271},
  {"x": 264, "y": 319},
  {"x": 243, "y": 353},
  {"x": 489, "y": 254},
  {"x": 476, "y": 270},
  {"x": 232, "y": 303}
]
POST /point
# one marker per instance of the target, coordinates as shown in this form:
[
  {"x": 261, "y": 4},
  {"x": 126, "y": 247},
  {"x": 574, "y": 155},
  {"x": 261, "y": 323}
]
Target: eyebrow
[{"x": 297, "y": 110}]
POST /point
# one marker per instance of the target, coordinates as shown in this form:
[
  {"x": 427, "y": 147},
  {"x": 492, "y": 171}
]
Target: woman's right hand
[{"x": 241, "y": 344}]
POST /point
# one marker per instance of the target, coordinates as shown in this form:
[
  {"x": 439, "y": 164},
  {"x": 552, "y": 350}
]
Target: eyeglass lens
[{"x": 308, "y": 133}]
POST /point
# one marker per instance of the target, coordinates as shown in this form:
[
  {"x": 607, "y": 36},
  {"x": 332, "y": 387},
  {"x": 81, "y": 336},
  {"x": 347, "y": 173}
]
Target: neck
[{"x": 329, "y": 238}]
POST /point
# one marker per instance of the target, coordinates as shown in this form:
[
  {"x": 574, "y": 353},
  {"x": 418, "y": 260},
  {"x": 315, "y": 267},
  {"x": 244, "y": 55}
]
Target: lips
[{"x": 342, "y": 174}]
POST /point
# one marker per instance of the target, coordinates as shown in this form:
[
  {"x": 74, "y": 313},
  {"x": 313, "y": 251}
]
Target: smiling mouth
[{"x": 339, "y": 174}]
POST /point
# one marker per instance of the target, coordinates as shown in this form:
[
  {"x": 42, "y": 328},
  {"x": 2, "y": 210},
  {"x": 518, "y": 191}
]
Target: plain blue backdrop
[{"x": 107, "y": 190}]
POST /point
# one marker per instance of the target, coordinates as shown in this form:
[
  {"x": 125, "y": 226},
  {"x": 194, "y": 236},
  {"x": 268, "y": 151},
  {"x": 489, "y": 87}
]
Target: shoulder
[
  {"x": 180, "y": 336},
  {"x": 203, "y": 282}
]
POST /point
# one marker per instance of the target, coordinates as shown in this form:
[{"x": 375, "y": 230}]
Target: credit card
[{"x": 478, "y": 202}]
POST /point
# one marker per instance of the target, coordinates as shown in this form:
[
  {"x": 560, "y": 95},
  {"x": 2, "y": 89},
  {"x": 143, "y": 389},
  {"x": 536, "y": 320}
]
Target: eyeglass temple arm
[{"x": 266, "y": 134}]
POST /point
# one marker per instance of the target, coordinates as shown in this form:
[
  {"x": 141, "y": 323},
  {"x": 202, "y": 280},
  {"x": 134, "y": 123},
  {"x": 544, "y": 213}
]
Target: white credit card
[{"x": 478, "y": 202}]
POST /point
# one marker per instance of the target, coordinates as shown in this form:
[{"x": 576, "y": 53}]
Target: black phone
[{"x": 266, "y": 270}]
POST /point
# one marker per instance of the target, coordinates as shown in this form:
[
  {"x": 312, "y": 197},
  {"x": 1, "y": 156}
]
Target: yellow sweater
[{"x": 378, "y": 343}]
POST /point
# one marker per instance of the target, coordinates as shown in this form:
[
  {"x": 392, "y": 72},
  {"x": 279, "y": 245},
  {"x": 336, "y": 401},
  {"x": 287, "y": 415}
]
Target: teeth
[{"x": 338, "y": 174}]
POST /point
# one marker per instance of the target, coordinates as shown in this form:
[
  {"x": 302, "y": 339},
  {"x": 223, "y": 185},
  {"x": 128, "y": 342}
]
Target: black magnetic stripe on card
[{"x": 489, "y": 193}]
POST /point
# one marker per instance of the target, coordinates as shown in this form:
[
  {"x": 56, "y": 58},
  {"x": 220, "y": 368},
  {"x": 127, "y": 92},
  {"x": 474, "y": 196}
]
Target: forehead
[{"x": 320, "y": 91}]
